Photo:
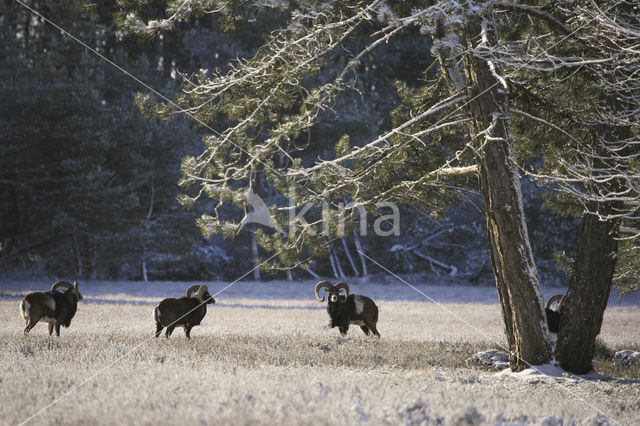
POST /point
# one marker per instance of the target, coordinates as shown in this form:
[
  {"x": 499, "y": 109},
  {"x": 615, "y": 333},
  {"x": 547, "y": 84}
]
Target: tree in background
[
  {"x": 304, "y": 116},
  {"x": 455, "y": 129},
  {"x": 580, "y": 88},
  {"x": 270, "y": 102},
  {"x": 87, "y": 185},
  {"x": 163, "y": 244}
]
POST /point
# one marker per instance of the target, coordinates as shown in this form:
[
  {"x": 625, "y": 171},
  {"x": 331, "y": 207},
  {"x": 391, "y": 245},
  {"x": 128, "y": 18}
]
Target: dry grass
[
  {"x": 603, "y": 361},
  {"x": 266, "y": 362}
]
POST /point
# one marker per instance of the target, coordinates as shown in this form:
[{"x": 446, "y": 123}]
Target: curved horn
[
  {"x": 192, "y": 289},
  {"x": 555, "y": 298},
  {"x": 343, "y": 286},
  {"x": 201, "y": 291},
  {"x": 560, "y": 304},
  {"x": 59, "y": 284},
  {"x": 76, "y": 291},
  {"x": 322, "y": 284}
]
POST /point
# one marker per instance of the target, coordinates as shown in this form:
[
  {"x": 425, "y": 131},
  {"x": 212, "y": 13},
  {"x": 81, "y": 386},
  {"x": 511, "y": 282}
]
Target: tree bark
[
  {"x": 76, "y": 249},
  {"x": 349, "y": 257},
  {"x": 360, "y": 249},
  {"x": 336, "y": 258},
  {"x": 254, "y": 256},
  {"x": 145, "y": 275},
  {"x": 589, "y": 288},
  {"x": 596, "y": 258},
  {"x": 333, "y": 263},
  {"x": 511, "y": 256}
]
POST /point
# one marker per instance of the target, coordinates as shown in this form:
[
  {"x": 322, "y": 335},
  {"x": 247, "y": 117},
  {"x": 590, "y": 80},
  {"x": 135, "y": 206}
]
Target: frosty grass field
[{"x": 264, "y": 355}]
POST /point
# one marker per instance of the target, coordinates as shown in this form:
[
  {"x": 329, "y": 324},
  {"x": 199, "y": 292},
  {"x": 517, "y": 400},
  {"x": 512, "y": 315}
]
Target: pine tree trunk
[
  {"x": 596, "y": 258},
  {"x": 145, "y": 275},
  {"x": 335, "y": 267},
  {"x": 586, "y": 300},
  {"x": 360, "y": 249},
  {"x": 511, "y": 256},
  {"x": 336, "y": 258},
  {"x": 254, "y": 256},
  {"x": 76, "y": 249},
  {"x": 350, "y": 258},
  {"x": 313, "y": 274}
]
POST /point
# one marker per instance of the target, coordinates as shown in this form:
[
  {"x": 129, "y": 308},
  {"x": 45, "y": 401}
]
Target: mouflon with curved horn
[
  {"x": 553, "y": 315},
  {"x": 53, "y": 307},
  {"x": 346, "y": 309},
  {"x": 184, "y": 312}
]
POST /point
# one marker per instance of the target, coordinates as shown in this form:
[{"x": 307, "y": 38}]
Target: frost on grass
[
  {"x": 258, "y": 359},
  {"x": 495, "y": 359}
]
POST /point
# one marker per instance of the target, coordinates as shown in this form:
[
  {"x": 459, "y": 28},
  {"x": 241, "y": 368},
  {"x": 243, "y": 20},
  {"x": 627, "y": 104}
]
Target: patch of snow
[
  {"x": 552, "y": 372},
  {"x": 627, "y": 357},
  {"x": 492, "y": 358}
]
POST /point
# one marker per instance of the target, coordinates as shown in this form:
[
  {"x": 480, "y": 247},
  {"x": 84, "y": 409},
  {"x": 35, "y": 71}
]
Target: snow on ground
[
  {"x": 627, "y": 357},
  {"x": 391, "y": 289},
  {"x": 552, "y": 373},
  {"x": 286, "y": 307},
  {"x": 497, "y": 359},
  {"x": 434, "y": 312},
  {"x": 265, "y": 355}
]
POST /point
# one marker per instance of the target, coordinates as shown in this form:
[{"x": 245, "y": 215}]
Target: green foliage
[
  {"x": 328, "y": 101},
  {"x": 310, "y": 91},
  {"x": 276, "y": 101},
  {"x": 577, "y": 143}
]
